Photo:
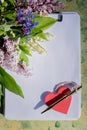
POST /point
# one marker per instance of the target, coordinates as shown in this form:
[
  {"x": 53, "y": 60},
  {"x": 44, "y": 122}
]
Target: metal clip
[{"x": 60, "y": 17}]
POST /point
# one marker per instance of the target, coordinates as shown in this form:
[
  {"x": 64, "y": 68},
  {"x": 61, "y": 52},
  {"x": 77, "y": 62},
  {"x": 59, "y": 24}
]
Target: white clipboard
[{"x": 62, "y": 63}]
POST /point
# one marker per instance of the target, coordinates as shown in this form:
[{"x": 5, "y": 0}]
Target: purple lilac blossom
[
  {"x": 9, "y": 58},
  {"x": 1, "y": 57},
  {"x": 43, "y": 7},
  {"x": 25, "y": 18}
]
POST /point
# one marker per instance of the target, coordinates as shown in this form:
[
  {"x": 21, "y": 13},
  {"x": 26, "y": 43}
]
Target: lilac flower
[
  {"x": 25, "y": 9},
  {"x": 40, "y": 2},
  {"x": 22, "y": 69},
  {"x": 9, "y": 59},
  {"x": 60, "y": 5},
  {"x": 26, "y": 30},
  {"x": 25, "y": 17},
  {"x": 43, "y": 7},
  {"x": 10, "y": 46},
  {"x": 20, "y": 12},
  {"x": 1, "y": 57}
]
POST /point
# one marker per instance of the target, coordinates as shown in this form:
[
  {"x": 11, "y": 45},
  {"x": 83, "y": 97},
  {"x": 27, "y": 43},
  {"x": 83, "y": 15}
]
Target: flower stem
[{"x": 2, "y": 98}]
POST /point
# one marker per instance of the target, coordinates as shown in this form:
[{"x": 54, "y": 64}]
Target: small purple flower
[
  {"x": 30, "y": 15},
  {"x": 20, "y": 12},
  {"x": 20, "y": 20},
  {"x": 40, "y": 1},
  {"x": 60, "y": 5},
  {"x": 36, "y": 23},
  {"x": 33, "y": 25},
  {"x": 26, "y": 30},
  {"x": 28, "y": 24},
  {"x": 31, "y": 3},
  {"x": 43, "y": 7},
  {"x": 53, "y": 1},
  {"x": 1, "y": 57},
  {"x": 26, "y": 18}
]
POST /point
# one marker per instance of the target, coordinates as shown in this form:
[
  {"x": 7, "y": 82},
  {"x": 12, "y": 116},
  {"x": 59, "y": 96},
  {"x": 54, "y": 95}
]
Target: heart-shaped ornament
[{"x": 63, "y": 106}]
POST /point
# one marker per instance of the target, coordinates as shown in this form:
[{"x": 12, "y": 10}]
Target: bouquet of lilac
[{"x": 22, "y": 25}]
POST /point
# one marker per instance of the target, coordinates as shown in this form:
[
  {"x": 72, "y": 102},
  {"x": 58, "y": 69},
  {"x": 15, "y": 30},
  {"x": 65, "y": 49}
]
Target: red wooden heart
[{"x": 63, "y": 106}]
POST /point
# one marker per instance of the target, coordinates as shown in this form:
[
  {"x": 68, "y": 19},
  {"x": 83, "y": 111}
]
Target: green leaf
[
  {"x": 43, "y": 36},
  {"x": 1, "y": 9},
  {"x": 4, "y": 4},
  {"x": 5, "y": 27},
  {"x": 1, "y": 93},
  {"x": 11, "y": 15},
  {"x": 44, "y": 23},
  {"x": 9, "y": 83},
  {"x": 23, "y": 39},
  {"x": 68, "y": 0},
  {"x": 35, "y": 32},
  {"x": 11, "y": 2},
  {"x": 25, "y": 48},
  {"x": 10, "y": 34},
  {"x": 23, "y": 57},
  {"x": 2, "y": 32}
]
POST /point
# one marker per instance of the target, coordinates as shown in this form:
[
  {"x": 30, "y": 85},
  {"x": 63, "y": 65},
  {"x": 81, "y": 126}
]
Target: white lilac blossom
[{"x": 49, "y": 36}]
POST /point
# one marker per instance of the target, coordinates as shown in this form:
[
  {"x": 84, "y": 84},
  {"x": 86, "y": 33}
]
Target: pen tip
[{"x": 42, "y": 112}]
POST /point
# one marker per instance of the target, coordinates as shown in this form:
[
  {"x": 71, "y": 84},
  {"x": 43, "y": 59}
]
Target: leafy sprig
[
  {"x": 9, "y": 83},
  {"x": 9, "y": 26}
]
